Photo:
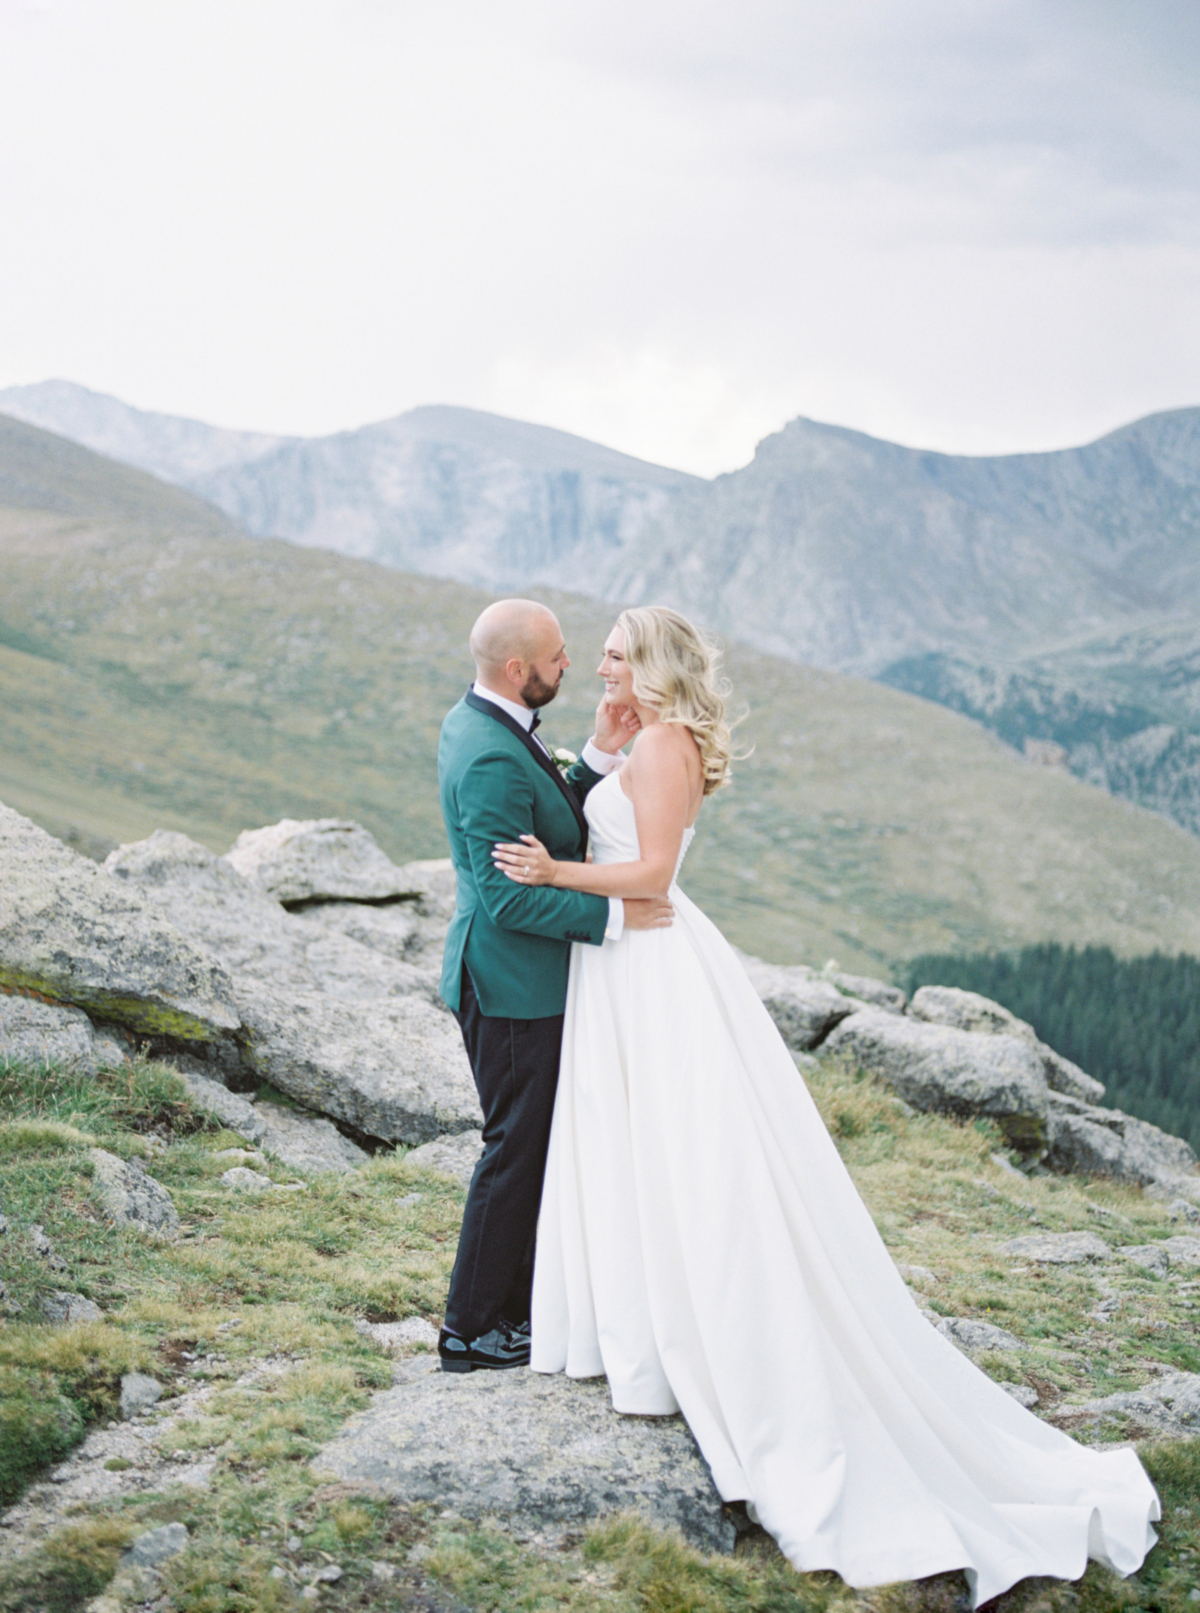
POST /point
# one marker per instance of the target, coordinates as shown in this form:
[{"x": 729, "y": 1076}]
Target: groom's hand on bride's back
[{"x": 648, "y": 912}]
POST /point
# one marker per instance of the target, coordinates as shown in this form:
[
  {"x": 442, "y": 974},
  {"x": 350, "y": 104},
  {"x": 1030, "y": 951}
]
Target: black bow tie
[{"x": 537, "y": 717}]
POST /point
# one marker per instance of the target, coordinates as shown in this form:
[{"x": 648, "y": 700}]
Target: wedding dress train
[{"x": 702, "y": 1244}]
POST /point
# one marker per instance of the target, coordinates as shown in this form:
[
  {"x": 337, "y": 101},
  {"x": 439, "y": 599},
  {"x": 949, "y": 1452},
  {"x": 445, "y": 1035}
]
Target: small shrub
[
  {"x": 34, "y": 1136},
  {"x": 69, "y": 1566},
  {"x": 38, "y": 1425}
]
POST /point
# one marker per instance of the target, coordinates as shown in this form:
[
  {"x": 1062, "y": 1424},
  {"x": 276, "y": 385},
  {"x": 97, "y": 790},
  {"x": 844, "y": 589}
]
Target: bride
[{"x": 701, "y": 1244}]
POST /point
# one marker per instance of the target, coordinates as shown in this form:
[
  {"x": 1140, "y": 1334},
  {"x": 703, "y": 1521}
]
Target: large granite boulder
[
  {"x": 70, "y": 932},
  {"x": 390, "y": 1068},
  {"x": 455, "y": 1156},
  {"x": 305, "y": 1142},
  {"x": 37, "y": 1032},
  {"x": 33, "y": 1032},
  {"x": 339, "y": 1026},
  {"x": 868, "y": 990},
  {"x": 958, "y": 1072},
  {"x": 317, "y": 860},
  {"x": 540, "y": 1449},
  {"x": 1083, "y": 1135},
  {"x": 1106, "y": 1142},
  {"x": 805, "y": 1008},
  {"x": 399, "y": 931},
  {"x": 214, "y": 1099},
  {"x": 219, "y": 910},
  {"x": 433, "y": 880},
  {"x": 968, "y": 1011}
]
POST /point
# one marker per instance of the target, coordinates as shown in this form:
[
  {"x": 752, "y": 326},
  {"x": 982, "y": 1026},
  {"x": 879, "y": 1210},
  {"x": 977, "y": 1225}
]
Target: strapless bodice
[{"x": 613, "y": 825}]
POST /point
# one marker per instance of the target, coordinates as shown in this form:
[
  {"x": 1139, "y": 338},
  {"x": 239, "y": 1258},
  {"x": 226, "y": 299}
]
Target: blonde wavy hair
[{"x": 676, "y": 670}]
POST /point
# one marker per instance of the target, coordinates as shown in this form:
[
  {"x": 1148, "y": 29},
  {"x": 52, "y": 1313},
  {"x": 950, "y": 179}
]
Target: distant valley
[
  {"x": 1121, "y": 711},
  {"x": 159, "y": 668},
  {"x": 1055, "y": 597}
]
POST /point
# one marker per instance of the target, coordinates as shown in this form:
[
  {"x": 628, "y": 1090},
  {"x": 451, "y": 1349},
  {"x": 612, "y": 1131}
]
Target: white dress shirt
[{"x": 600, "y": 761}]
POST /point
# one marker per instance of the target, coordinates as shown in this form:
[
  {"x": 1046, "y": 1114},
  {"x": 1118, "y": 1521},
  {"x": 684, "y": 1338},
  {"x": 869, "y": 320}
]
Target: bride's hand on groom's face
[
  {"x": 615, "y": 725},
  {"x": 526, "y": 864}
]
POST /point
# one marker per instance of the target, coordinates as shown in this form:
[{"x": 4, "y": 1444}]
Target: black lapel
[{"x": 491, "y": 709}]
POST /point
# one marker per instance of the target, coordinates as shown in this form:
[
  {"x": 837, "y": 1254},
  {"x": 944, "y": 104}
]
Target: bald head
[{"x": 519, "y": 651}]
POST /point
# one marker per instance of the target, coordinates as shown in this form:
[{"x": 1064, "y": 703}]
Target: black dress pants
[{"x": 515, "y": 1065}]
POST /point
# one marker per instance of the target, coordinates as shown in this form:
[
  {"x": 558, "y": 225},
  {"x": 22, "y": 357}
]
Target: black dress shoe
[{"x": 503, "y": 1346}]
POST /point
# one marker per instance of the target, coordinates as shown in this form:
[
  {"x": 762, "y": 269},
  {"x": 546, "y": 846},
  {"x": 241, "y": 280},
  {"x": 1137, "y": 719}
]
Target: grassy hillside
[
  {"x": 1124, "y": 708},
  {"x": 246, "y": 1320},
  {"x": 159, "y": 669}
]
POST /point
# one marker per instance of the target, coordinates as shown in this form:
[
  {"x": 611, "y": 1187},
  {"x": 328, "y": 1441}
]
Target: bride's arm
[{"x": 661, "y": 787}]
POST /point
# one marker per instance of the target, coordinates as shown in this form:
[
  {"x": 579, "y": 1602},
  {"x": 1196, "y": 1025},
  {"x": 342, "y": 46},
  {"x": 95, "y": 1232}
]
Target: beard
[{"x": 535, "y": 692}]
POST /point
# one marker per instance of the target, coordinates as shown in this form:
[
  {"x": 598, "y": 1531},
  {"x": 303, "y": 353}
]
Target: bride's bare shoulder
[{"x": 664, "y": 744}]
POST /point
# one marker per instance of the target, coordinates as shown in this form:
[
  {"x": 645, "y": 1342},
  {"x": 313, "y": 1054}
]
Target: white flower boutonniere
[{"x": 561, "y": 757}]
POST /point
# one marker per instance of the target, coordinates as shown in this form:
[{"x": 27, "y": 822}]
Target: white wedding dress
[{"x": 702, "y": 1244}]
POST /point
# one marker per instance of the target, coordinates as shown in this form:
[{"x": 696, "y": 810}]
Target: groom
[{"x": 505, "y": 969}]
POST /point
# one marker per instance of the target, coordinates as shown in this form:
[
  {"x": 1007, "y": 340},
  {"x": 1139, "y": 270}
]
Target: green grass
[{"x": 275, "y": 1284}]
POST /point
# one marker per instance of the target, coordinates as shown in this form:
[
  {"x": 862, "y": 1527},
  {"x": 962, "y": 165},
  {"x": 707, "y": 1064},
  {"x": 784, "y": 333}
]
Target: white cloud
[{"x": 969, "y": 223}]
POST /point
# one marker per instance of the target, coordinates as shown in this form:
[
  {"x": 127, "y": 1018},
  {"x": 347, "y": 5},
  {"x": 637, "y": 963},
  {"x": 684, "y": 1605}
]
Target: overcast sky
[{"x": 965, "y": 224}]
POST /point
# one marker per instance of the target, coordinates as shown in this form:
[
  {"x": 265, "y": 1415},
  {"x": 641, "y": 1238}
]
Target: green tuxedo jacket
[{"x": 497, "y": 783}]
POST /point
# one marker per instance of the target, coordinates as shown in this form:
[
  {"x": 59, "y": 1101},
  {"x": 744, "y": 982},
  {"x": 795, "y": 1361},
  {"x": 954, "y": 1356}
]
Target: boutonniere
[{"x": 561, "y": 757}]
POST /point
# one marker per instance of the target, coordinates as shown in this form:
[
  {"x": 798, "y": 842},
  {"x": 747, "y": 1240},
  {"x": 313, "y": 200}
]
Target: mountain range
[
  {"x": 1025, "y": 591},
  {"x": 161, "y": 669},
  {"x": 830, "y": 547},
  {"x": 446, "y": 492}
]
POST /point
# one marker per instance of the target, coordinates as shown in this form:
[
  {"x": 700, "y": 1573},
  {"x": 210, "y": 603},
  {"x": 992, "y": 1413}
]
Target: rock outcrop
[
  {"x": 215, "y": 1100},
  {"x": 967, "y": 1011},
  {"x": 131, "y": 1198},
  {"x": 960, "y": 1053},
  {"x": 70, "y": 933},
  {"x": 35, "y": 1032},
  {"x": 1170, "y": 1404},
  {"x": 332, "y": 998},
  {"x": 546, "y": 1450},
  {"x": 878, "y": 993},
  {"x": 957, "y": 1072},
  {"x": 1059, "y": 1248},
  {"x": 305, "y": 1142},
  {"x": 71, "y": 1309},
  {"x": 972, "y": 1335},
  {"x": 317, "y": 860},
  {"x": 1107, "y": 1142},
  {"x": 454, "y": 1156},
  {"x": 337, "y": 1025},
  {"x": 805, "y": 1008}
]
